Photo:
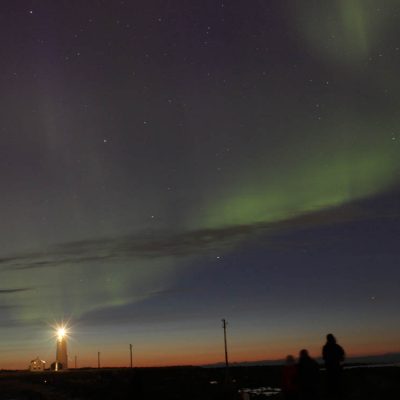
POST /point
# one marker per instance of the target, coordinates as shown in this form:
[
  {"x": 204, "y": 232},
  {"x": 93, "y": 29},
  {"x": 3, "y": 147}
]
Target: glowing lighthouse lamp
[
  {"x": 61, "y": 350},
  {"x": 61, "y": 332}
]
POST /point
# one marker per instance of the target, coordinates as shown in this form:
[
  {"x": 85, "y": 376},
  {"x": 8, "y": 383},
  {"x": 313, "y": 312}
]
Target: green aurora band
[
  {"x": 355, "y": 156},
  {"x": 339, "y": 162},
  {"x": 310, "y": 187},
  {"x": 345, "y": 31}
]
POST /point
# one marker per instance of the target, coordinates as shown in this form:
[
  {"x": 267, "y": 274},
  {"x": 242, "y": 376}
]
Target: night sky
[{"x": 165, "y": 164}]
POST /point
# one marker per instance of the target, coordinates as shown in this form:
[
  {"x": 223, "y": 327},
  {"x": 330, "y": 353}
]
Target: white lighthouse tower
[{"x": 61, "y": 351}]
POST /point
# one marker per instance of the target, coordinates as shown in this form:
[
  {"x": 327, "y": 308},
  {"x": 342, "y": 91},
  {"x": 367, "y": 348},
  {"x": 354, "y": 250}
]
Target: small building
[{"x": 37, "y": 365}]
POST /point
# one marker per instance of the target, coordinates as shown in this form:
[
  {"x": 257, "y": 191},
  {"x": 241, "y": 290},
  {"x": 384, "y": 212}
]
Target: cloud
[
  {"x": 185, "y": 243},
  {"x": 15, "y": 290},
  {"x": 20, "y": 322}
]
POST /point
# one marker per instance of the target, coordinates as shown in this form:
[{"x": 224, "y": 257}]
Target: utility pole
[
  {"x": 76, "y": 362},
  {"x": 130, "y": 349},
  {"x": 224, "y": 323},
  {"x": 98, "y": 359}
]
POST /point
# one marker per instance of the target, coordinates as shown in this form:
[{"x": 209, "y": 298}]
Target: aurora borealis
[{"x": 166, "y": 164}]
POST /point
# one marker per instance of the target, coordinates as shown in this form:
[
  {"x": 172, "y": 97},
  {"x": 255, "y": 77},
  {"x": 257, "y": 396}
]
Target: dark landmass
[
  {"x": 388, "y": 358},
  {"x": 186, "y": 383}
]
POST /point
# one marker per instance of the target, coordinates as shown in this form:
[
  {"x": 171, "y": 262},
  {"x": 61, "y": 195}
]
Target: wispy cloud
[
  {"x": 181, "y": 244},
  {"x": 14, "y": 290}
]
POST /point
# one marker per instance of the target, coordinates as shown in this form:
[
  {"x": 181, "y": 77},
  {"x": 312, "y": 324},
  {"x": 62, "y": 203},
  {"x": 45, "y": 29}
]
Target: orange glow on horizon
[{"x": 170, "y": 353}]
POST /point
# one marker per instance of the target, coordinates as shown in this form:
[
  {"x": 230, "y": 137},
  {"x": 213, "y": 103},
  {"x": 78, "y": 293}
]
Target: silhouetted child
[
  {"x": 308, "y": 370},
  {"x": 333, "y": 356},
  {"x": 290, "y": 386}
]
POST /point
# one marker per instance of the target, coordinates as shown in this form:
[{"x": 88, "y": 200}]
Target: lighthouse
[{"x": 61, "y": 351}]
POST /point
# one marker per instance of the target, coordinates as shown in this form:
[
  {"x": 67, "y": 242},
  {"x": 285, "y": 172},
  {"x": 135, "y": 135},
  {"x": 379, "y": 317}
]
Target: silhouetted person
[
  {"x": 308, "y": 370},
  {"x": 290, "y": 377},
  {"x": 333, "y": 356}
]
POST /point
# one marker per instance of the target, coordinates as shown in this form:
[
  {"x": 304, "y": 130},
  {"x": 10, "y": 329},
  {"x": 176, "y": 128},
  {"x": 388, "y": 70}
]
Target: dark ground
[{"x": 180, "y": 383}]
